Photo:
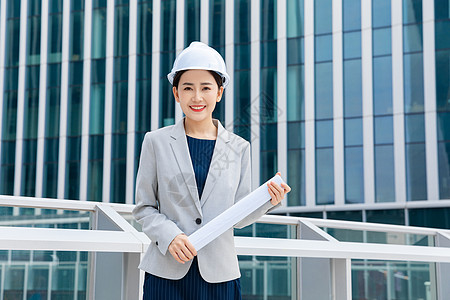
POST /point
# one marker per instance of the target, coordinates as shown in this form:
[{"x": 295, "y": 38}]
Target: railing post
[{"x": 442, "y": 269}]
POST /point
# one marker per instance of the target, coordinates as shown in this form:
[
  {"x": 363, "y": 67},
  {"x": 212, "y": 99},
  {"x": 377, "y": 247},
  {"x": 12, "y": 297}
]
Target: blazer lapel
[{"x": 181, "y": 152}]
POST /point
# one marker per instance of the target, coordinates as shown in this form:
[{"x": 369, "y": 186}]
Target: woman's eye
[
  {"x": 187, "y": 88},
  {"x": 206, "y": 88}
]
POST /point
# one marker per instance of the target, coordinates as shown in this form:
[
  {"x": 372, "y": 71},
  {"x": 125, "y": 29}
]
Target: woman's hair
[{"x": 217, "y": 78}]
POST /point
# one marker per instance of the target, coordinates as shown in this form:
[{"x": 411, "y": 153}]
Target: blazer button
[
  {"x": 198, "y": 221},
  {"x": 156, "y": 243}
]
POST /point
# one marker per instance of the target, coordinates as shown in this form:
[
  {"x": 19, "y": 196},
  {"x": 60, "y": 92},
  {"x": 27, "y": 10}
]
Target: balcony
[{"x": 63, "y": 249}]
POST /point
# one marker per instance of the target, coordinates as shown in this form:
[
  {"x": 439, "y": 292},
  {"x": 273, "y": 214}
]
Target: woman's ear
[
  {"x": 175, "y": 94},
  {"x": 219, "y": 94}
]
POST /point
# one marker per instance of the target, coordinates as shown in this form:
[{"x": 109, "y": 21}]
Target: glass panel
[
  {"x": 355, "y": 215},
  {"x": 443, "y": 123},
  {"x": 442, "y": 37},
  {"x": 354, "y": 175},
  {"x": 413, "y": 81},
  {"x": 242, "y": 17},
  {"x": 296, "y": 177},
  {"x": 383, "y": 130},
  {"x": 97, "y": 109},
  {"x": 52, "y": 112},
  {"x": 430, "y": 217},
  {"x": 295, "y": 93},
  {"x": 296, "y": 135},
  {"x": 351, "y": 10},
  {"x": 324, "y": 133},
  {"x": 120, "y": 105},
  {"x": 444, "y": 170},
  {"x": 352, "y": 44},
  {"x": 76, "y": 31},
  {"x": 416, "y": 172},
  {"x": 412, "y": 38},
  {"x": 12, "y": 40},
  {"x": 145, "y": 20},
  {"x": 295, "y": 51},
  {"x": 414, "y": 128},
  {"x": 353, "y": 133},
  {"x": 324, "y": 176},
  {"x": 74, "y": 115},
  {"x": 443, "y": 80},
  {"x": 121, "y": 68},
  {"x": 381, "y": 13},
  {"x": 382, "y": 41},
  {"x": 323, "y": 46},
  {"x": 217, "y": 23},
  {"x": 192, "y": 21},
  {"x": 268, "y": 162},
  {"x": 322, "y": 16},
  {"x": 33, "y": 40},
  {"x": 442, "y": 9},
  {"x": 268, "y": 54},
  {"x": 72, "y": 179},
  {"x": 98, "y": 33},
  {"x": 54, "y": 37},
  {"x": 144, "y": 67},
  {"x": 121, "y": 20},
  {"x": 167, "y": 106},
  {"x": 352, "y": 88},
  {"x": 382, "y": 85},
  {"x": 384, "y": 174},
  {"x": 95, "y": 168},
  {"x": 143, "y": 105},
  {"x": 268, "y": 98},
  {"x": 268, "y": 19},
  {"x": 324, "y": 90},
  {"x": 388, "y": 216},
  {"x": 295, "y": 18},
  {"x": 412, "y": 11},
  {"x": 268, "y": 137}
]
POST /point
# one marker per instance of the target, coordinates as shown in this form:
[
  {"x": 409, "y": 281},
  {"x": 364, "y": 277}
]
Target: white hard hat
[{"x": 199, "y": 56}]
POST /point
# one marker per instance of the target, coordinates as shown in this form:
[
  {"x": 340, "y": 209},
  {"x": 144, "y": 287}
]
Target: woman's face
[{"x": 197, "y": 94}]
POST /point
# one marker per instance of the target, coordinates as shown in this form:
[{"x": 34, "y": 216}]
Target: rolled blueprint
[{"x": 232, "y": 215}]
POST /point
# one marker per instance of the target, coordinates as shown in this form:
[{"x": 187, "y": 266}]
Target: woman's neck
[{"x": 204, "y": 129}]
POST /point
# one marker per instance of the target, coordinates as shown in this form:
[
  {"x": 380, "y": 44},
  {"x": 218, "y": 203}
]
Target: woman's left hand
[{"x": 277, "y": 192}]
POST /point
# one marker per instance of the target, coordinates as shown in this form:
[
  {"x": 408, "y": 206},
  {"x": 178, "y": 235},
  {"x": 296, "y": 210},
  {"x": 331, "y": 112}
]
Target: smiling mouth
[{"x": 198, "y": 108}]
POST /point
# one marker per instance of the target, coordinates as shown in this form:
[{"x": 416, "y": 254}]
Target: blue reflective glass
[
  {"x": 72, "y": 186},
  {"x": 76, "y": 73},
  {"x": 388, "y": 216},
  {"x": 442, "y": 39},
  {"x": 443, "y": 80},
  {"x": 31, "y": 114},
  {"x": 416, "y": 172},
  {"x": 268, "y": 19},
  {"x": 295, "y": 18},
  {"x": 324, "y": 90},
  {"x": 352, "y": 88},
  {"x": 121, "y": 68},
  {"x": 322, "y": 16},
  {"x": 54, "y": 38},
  {"x": 443, "y": 125},
  {"x": 9, "y": 116},
  {"x": 98, "y": 69},
  {"x": 268, "y": 98},
  {"x": 444, "y": 169},
  {"x": 51, "y": 150},
  {"x": 53, "y": 75},
  {"x": 352, "y": 44},
  {"x": 97, "y": 109},
  {"x": 384, "y": 174},
  {"x": 268, "y": 163},
  {"x": 295, "y": 93},
  {"x": 167, "y": 108},
  {"x": 144, "y": 67},
  {"x": 242, "y": 21},
  {"x": 324, "y": 176},
  {"x": 412, "y": 11},
  {"x": 382, "y": 85},
  {"x": 269, "y": 54},
  {"x": 242, "y": 110},
  {"x": 95, "y": 180},
  {"x": 145, "y": 25},
  {"x": 324, "y": 133},
  {"x": 55, "y": 6},
  {"x": 383, "y": 127},
  {"x": 120, "y": 107},
  {"x": 192, "y": 21},
  {"x": 79, "y": 5},
  {"x": 268, "y": 136},
  {"x": 295, "y": 51},
  {"x": 242, "y": 57},
  {"x": 12, "y": 43},
  {"x": 414, "y": 128},
  {"x": 121, "y": 20},
  {"x": 29, "y": 151},
  {"x": 353, "y": 134},
  {"x": 28, "y": 180},
  {"x": 296, "y": 177},
  {"x": 98, "y": 40},
  {"x": 143, "y": 105},
  {"x": 323, "y": 48},
  {"x": 8, "y": 152},
  {"x": 74, "y": 111},
  {"x": 32, "y": 77},
  {"x": 98, "y": 3},
  {"x": 34, "y": 7},
  {"x": 216, "y": 22},
  {"x": 52, "y": 112},
  {"x": 413, "y": 82},
  {"x": 13, "y": 9},
  {"x": 50, "y": 181},
  {"x": 167, "y": 25},
  {"x": 73, "y": 148},
  {"x": 96, "y": 147},
  {"x": 11, "y": 79},
  {"x": 381, "y": 13},
  {"x": 119, "y": 146},
  {"x": 441, "y": 9},
  {"x": 351, "y": 10},
  {"x": 354, "y": 175},
  {"x": 76, "y": 31},
  {"x": 412, "y": 38},
  {"x": 382, "y": 41},
  {"x": 296, "y": 135}
]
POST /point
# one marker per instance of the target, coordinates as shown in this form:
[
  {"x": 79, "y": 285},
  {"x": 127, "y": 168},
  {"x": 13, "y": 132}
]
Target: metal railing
[{"x": 115, "y": 248}]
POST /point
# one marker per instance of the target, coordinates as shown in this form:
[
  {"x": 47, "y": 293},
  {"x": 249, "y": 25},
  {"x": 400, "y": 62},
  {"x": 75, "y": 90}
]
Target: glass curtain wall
[
  {"x": 296, "y": 102},
  {"x": 97, "y": 102},
  {"x": 120, "y": 101},
  {"x": 74, "y": 101},
  {"x": 353, "y": 122},
  {"x": 268, "y": 110},
  {"x": 168, "y": 37},
  {"x": 416, "y": 176},
  {"x": 217, "y": 41},
  {"x": 242, "y": 38},
  {"x": 382, "y": 102},
  {"x": 143, "y": 76},
  {"x": 31, "y": 101},
  {"x": 53, "y": 99},
  {"x": 442, "y": 45},
  {"x": 323, "y": 89},
  {"x": 191, "y": 21},
  {"x": 9, "y": 109}
]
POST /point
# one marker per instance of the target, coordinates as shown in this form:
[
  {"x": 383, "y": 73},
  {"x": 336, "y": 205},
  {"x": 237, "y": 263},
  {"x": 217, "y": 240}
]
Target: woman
[{"x": 189, "y": 173}]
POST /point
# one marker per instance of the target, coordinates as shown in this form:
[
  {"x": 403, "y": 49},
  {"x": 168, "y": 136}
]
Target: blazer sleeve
[
  {"x": 155, "y": 225},
  {"x": 245, "y": 188}
]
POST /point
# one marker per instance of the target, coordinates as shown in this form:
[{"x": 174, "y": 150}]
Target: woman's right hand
[{"x": 182, "y": 249}]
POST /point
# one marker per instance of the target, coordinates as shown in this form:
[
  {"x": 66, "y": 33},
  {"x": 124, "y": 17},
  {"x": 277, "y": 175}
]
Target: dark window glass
[
  {"x": 353, "y": 134},
  {"x": 29, "y": 151},
  {"x": 268, "y": 97},
  {"x": 295, "y": 51},
  {"x": 79, "y": 5},
  {"x": 216, "y": 22},
  {"x": 383, "y": 127},
  {"x": 98, "y": 40},
  {"x": 296, "y": 135},
  {"x": 33, "y": 40},
  {"x": 72, "y": 180},
  {"x": 31, "y": 114},
  {"x": 11, "y": 78},
  {"x": 384, "y": 174},
  {"x": 74, "y": 111},
  {"x": 13, "y": 9},
  {"x": 144, "y": 67},
  {"x": 268, "y": 137},
  {"x": 52, "y": 112},
  {"x": 444, "y": 169},
  {"x": 97, "y": 109},
  {"x": 119, "y": 146},
  {"x": 122, "y": 20},
  {"x": 416, "y": 172},
  {"x": 442, "y": 29},
  {"x": 412, "y": 38},
  {"x": 168, "y": 15},
  {"x": 121, "y": 68},
  {"x": 55, "y": 6},
  {"x": 352, "y": 44},
  {"x": 8, "y": 152},
  {"x": 295, "y": 93},
  {"x": 351, "y": 10},
  {"x": 53, "y": 75},
  {"x": 382, "y": 41},
  {"x": 242, "y": 18},
  {"x": 324, "y": 133},
  {"x": 76, "y": 31},
  {"x": 324, "y": 90},
  {"x": 323, "y": 45},
  {"x": 54, "y": 38},
  {"x": 414, "y": 128},
  {"x": 51, "y": 150},
  {"x": 12, "y": 42},
  {"x": 354, "y": 175},
  {"x": 443, "y": 80},
  {"x": 412, "y": 11},
  {"x": 389, "y": 216},
  {"x": 352, "y": 215},
  {"x": 443, "y": 125},
  {"x": 295, "y": 18},
  {"x": 242, "y": 111},
  {"x": 76, "y": 73},
  {"x": 7, "y": 179},
  {"x": 442, "y": 9},
  {"x": 96, "y": 147},
  {"x": 269, "y": 54},
  {"x": 324, "y": 176},
  {"x": 352, "y": 88},
  {"x": 145, "y": 26},
  {"x": 143, "y": 105},
  {"x": 120, "y": 103},
  {"x": 268, "y": 163},
  {"x": 413, "y": 81},
  {"x": 32, "y": 77},
  {"x": 9, "y": 117},
  {"x": 382, "y": 85},
  {"x": 381, "y": 13},
  {"x": 296, "y": 177},
  {"x": 318, "y": 215},
  {"x": 192, "y": 21},
  {"x": 98, "y": 69},
  {"x": 242, "y": 57},
  {"x": 166, "y": 106},
  {"x": 95, "y": 168},
  {"x": 430, "y": 217},
  {"x": 268, "y": 19},
  {"x": 322, "y": 16}
]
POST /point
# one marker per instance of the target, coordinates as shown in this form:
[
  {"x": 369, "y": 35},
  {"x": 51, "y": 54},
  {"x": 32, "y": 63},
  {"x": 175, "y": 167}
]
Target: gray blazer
[{"x": 167, "y": 201}]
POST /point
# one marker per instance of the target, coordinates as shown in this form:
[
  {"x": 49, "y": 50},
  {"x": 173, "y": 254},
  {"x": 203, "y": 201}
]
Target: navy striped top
[{"x": 201, "y": 151}]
